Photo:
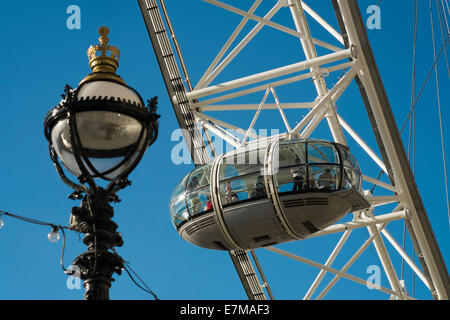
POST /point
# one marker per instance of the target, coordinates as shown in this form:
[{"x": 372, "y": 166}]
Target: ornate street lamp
[{"x": 99, "y": 131}]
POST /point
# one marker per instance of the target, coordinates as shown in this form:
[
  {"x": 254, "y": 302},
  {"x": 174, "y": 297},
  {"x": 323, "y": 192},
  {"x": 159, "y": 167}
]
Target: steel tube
[{"x": 267, "y": 75}]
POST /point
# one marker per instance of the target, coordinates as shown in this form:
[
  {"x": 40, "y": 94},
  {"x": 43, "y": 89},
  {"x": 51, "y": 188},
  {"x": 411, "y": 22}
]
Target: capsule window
[
  {"x": 324, "y": 178},
  {"x": 180, "y": 217},
  {"x": 241, "y": 177},
  {"x": 198, "y": 194},
  {"x": 199, "y": 201},
  {"x": 240, "y": 189},
  {"x": 351, "y": 172},
  {"x": 322, "y": 152},
  {"x": 348, "y": 159},
  {"x": 243, "y": 163},
  {"x": 198, "y": 178},
  {"x": 292, "y": 179},
  {"x": 177, "y": 205},
  {"x": 290, "y": 153},
  {"x": 351, "y": 179}
]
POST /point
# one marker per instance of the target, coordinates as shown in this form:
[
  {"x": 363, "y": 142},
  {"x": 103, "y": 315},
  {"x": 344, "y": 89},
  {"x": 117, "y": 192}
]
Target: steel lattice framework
[{"x": 352, "y": 59}]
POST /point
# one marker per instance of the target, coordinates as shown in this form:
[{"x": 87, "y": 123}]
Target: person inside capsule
[
  {"x": 326, "y": 180},
  {"x": 194, "y": 198},
  {"x": 230, "y": 194},
  {"x": 259, "y": 189},
  {"x": 298, "y": 176}
]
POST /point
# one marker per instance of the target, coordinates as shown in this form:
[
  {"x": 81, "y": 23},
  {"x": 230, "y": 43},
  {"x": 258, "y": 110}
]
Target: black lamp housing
[{"x": 71, "y": 106}]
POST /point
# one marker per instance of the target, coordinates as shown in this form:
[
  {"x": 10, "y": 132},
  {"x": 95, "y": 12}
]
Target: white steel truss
[{"x": 351, "y": 58}]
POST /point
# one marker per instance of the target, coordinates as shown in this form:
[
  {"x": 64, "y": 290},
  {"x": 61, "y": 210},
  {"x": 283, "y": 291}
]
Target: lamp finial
[{"x": 103, "y": 57}]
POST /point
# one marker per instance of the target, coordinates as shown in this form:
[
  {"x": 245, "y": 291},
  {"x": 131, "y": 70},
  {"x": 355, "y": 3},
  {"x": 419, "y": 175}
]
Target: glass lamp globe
[
  {"x": 100, "y": 128},
  {"x": 109, "y": 140}
]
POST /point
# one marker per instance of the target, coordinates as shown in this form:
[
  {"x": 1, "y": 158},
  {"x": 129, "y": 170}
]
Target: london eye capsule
[{"x": 267, "y": 194}]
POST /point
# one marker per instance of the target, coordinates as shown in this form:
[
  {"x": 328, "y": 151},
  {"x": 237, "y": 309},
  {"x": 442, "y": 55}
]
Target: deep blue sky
[{"x": 40, "y": 55}]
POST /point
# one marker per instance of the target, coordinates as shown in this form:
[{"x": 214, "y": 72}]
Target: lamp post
[{"x": 99, "y": 131}]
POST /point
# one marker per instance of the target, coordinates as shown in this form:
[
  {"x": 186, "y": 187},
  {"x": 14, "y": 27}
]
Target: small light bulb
[
  {"x": 53, "y": 236},
  {"x": 2, "y": 223}
]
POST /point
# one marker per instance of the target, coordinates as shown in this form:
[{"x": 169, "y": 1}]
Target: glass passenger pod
[{"x": 315, "y": 183}]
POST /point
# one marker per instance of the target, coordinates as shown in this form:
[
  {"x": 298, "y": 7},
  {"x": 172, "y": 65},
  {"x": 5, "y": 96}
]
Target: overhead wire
[
  {"x": 411, "y": 138},
  {"x": 424, "y": 84},
  {"x": 26, "y": 219},
  {"x": 448, "y": 10},
  {"x": 441, "y": 22},
  {"x": 131, "y": 272},
  {"x": 440, "y": 115},
  {"x": 43, "y": 223},
  {"x": 61, "y": 259},
  {"x": 411, "y": 115},
  {"x": 413, "y": 107},
  {"x": 127, "y": 267}
]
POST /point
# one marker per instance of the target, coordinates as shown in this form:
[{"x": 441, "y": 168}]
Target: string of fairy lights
[{"x": 54, "y": 236}]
